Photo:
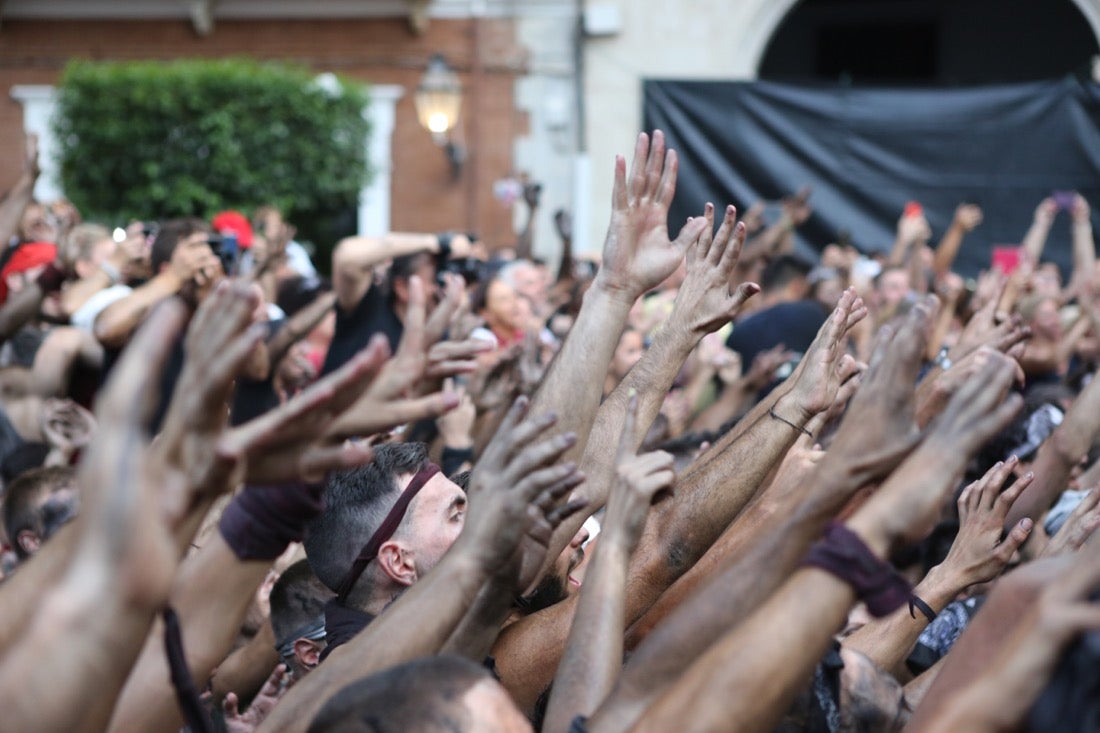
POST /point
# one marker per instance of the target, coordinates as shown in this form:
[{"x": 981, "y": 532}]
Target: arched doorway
[{"x": 930, "y": 42}]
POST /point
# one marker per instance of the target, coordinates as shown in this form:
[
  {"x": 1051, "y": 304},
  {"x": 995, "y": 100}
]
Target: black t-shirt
[{"x": 373, "y": 314}]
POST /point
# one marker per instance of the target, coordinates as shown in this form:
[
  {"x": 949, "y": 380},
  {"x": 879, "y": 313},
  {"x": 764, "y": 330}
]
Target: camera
[{"x": 227, "y": 249}]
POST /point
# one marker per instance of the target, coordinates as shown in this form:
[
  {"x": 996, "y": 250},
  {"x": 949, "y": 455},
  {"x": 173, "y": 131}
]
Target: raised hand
[
  {"x": 816, "y": 379},
  {"x": 708, "y": 300},
  {"x": 907, "y": 505},
  {"x": 978, "y": 554},
  {"x": 269, "y": 695},
  {"x": 516, "y": 494},
  {"x": 289, "y": 444},
  {"x": 1081, "y": 523},
  {"x": 968, "y": 216},
  {"x": 637, "y": 254},
  {"x": 879, "y": 429}
]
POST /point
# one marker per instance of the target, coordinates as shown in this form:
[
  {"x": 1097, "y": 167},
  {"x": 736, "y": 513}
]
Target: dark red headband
[{"x": 386, "y": 529}]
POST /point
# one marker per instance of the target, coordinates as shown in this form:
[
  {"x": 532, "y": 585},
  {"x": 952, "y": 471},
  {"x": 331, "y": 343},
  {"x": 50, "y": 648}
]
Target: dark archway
[{"x": 929, "y": 42}]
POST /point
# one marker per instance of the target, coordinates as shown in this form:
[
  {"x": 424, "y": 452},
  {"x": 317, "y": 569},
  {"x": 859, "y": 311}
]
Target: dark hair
[
  {"x": 297, "y": 598},
  {"x": 783, "y": 270},
  {"x": 404, "y": 267},
  {"x": 169, "y": 235},
  {"x": 24, "y": 508},
  {"x": 424, "y": 695},
  {"x": 356, "y": 503}
]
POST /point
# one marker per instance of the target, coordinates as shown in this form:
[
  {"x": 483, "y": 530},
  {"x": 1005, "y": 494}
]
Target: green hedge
[{"x": 149, "y": 139}]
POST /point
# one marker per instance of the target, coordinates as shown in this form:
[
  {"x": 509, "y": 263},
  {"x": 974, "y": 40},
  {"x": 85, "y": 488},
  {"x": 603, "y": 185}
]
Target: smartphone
[
  {"x": 1006, "y": 258},
  {"x": 1064, "y": 199}
]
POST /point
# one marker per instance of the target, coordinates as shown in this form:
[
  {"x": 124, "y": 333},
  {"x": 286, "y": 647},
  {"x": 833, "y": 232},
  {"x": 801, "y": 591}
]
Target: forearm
[
  {"x": 418, "y": 624},
  {"x": 245, "y": 670},
  {"x": 370, "y": 251},
  {"x": 750, "y": 677},
  {"x": 1035, "y": 240},
  {"x": 888, "y": 641},
  {"x": 117, "y": 321},
  {"x": 594, "y": 650},
  {"x": 211, "y": 594},
  {"x": 573, "y": 384},
  {"x": 751, "y": 560},
  {"x": 710, "y": 497},
  {"x": 650, "y": 380},
  {"x": 948, "y": 250},
  {"x": 1084, "y": 253},
  {"x": 941, "y": 327},
  {"x": 474, "y": 636}
]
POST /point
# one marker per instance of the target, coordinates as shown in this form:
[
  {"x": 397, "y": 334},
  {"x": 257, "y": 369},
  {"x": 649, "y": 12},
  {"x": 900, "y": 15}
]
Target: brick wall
[{"x": 383, "y": 51}]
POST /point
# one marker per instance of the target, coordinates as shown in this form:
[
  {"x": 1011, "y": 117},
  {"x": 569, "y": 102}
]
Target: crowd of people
[{"x": 698, "y": 484}]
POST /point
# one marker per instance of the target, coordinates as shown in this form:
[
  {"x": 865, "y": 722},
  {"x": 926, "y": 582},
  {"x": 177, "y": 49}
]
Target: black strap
[{"x": 186, "y": 693}]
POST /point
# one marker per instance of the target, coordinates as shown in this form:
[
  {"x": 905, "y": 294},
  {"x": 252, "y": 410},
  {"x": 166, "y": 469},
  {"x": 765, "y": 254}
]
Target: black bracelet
[
  {"x": 444, "y": 239},
  {"x": 915, "y": 604},
  {"x": 771, "y": 411}
]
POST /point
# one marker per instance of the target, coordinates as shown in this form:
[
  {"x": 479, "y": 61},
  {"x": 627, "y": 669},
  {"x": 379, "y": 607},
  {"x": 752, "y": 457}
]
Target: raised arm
[
  {"x": 1084, "y": 248},
  {"x": 637, "y": 256},
  {"x": 967, "y": 217},
  {"x": 977, "y": 555},
  {"x": 354, "y": 258},
  {"x": 1005, "y": 680},
  {"x": 594, "y": 651},
  {"x": 1036, "y": 237},
  {"x": 749, "y": 678},
  {"x": 68, "y": 667},
  {"x": 706, "y": 301}
]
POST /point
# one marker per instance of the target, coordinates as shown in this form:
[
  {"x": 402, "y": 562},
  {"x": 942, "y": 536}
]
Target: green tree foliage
[{"x": 143, "y": 140}]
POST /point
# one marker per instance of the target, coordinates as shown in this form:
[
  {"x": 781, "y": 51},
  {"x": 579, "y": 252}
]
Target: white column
[
  {"x": 39, "y": 102},
  {"x": 374, "y": 200}
]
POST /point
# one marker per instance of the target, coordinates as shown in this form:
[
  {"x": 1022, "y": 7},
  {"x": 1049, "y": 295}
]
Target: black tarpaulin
[{"x": 866, "y": 152}]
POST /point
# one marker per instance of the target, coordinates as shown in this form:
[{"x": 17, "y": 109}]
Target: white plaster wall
[
  {"x": 547, "y": 93},
  {"x": 690, "y": 39}
]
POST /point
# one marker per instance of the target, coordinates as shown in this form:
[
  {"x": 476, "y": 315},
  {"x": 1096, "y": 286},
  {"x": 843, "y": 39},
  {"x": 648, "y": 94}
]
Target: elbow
[{"x": 108, "y": 333}]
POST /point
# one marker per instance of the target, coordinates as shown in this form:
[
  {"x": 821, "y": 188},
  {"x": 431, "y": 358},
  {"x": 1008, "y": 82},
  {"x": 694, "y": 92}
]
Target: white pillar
[
  {"x": 374, "y": 199},
  {"x": 39, "y": 102}
]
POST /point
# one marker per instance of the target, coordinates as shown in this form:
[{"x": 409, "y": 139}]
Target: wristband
[
  {"x": 262, "y": 520},
  {"x": 917, "y": 604},
  {"x": 843, "y": 554},
  {"x": 51, "y": 278}
]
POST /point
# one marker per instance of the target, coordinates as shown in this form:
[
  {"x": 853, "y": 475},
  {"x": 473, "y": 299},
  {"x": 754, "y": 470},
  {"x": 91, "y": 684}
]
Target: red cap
[
  {"x": 26, "y": 257},
  {"x": 234, "y": 221}
]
